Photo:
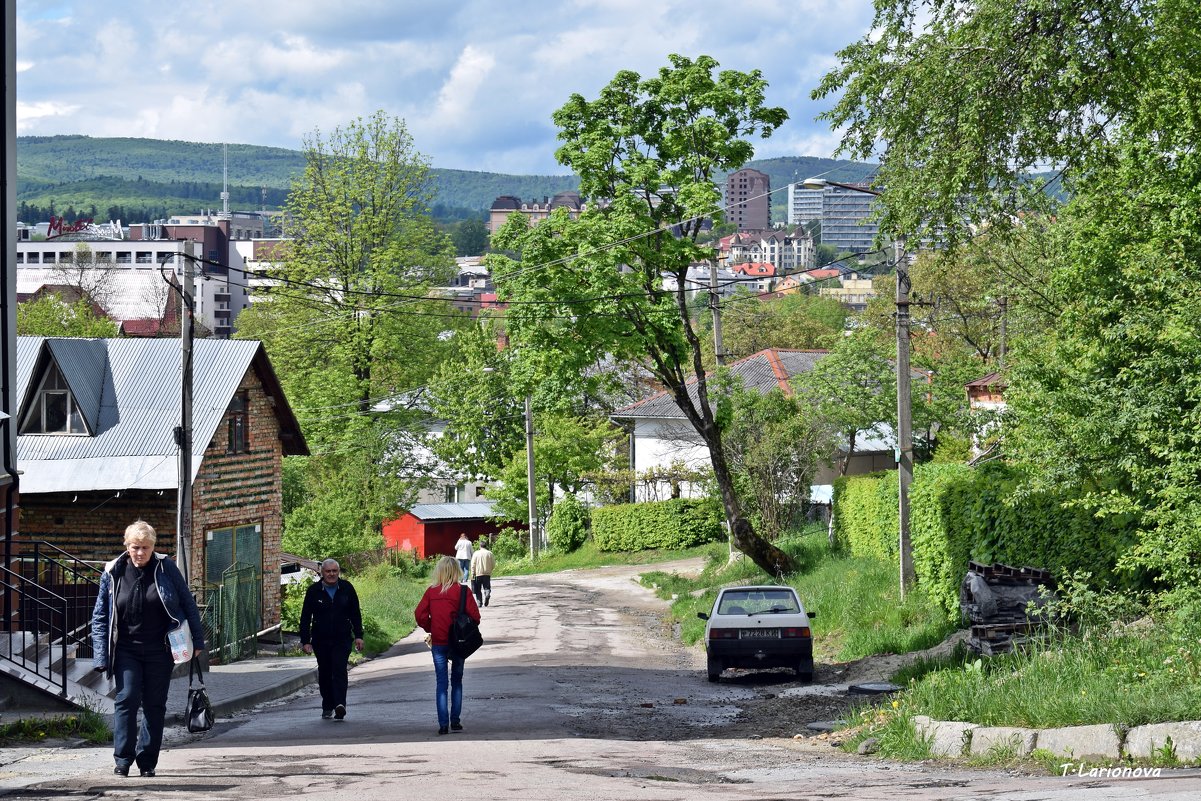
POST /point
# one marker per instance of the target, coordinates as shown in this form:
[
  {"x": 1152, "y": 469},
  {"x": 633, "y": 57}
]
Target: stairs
[{"x": 39, "y": 669}]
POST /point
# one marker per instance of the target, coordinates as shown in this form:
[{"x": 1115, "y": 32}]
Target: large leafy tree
[
  {"x": 648, "y": 153},
  {"x": 962, "y": 100},
  {"x": 50, "y": 316},
  {"x": 348, "y": 324},
  {"x": 751, "y": 323}
]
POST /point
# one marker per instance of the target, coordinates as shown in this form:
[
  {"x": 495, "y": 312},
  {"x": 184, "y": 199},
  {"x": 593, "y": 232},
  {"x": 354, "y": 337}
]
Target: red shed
[{"x": 432, "y": 528}]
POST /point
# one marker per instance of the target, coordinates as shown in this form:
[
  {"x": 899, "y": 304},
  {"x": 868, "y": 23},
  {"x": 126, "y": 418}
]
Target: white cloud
[{"x": 476, "y": 81}]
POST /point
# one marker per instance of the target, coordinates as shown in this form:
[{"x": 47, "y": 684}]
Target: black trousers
[
  {"x": 331, "y": 672},
  {"x": 478, "y": 585}
]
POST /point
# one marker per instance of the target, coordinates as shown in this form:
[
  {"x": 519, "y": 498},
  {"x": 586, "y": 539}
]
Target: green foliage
[
  {"x": 653, "y": 148},
  {"x": 49, "y": 316},
  {"x": 568, "y": 525},
  {"x": 677, "y": 523},
  {"x": 292, "y": 604},
  {"x": 750, "y": 323},
  {"x": 865, "y": 515},
  {"x": 470, "y": 237},
  {"x": 87, "y": 724},
  {"x": 959, "y": 513},
  {"x": 510, "y": 544},
  {"x": 774, "y": 451}
]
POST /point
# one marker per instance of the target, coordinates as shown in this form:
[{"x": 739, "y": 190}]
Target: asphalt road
[{"x": 580, "y": 692}]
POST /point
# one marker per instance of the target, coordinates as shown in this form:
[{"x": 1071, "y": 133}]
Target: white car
[{"x": 758, "y": 627}]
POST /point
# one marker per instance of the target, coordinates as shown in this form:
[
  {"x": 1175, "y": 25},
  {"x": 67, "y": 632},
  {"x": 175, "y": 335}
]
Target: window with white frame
[{"x": 53, "y": 410}]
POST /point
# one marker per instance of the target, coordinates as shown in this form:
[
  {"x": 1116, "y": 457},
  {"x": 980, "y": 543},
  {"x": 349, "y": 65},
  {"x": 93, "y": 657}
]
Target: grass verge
[
  {"x": 857, "y": 600},
  {"x": 87, "y": 724}
]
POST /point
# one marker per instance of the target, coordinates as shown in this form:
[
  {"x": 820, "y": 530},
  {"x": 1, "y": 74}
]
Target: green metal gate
[{"x": 232, "y": 615}]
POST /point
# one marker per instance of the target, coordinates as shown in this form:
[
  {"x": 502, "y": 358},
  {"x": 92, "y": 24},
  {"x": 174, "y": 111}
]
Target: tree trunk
[{"x": 771, "y": 559}]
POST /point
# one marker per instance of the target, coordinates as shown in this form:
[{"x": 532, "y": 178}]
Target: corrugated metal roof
[
  {"x": 762, "y": 371},
  {"x": 137, "y": 384},
  {"x": 452, "y": 511}
]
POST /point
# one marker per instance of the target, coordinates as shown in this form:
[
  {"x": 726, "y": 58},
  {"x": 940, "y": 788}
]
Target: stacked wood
[{"x": 997, "y": 601}]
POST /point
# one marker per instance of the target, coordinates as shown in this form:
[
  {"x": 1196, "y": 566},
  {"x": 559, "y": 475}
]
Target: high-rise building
[
  {"x": 804, "y": 205},
  {"x": 846, "y": 219},
  {"x": 748, "y": 200}
]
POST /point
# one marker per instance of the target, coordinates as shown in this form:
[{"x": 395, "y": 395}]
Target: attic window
[
  {"x": 237, "y": 428},
  {"x": 54, "y": 410}
]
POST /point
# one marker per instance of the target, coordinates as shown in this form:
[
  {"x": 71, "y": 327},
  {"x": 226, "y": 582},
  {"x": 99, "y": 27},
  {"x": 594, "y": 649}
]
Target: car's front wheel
[{"x": 714, "y": 669}]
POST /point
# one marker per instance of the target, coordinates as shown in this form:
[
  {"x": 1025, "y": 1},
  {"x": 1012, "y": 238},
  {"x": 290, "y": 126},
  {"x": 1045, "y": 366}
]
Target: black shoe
[
  {"x": 486, "y": 600},
  {"x": 443, "y": 730},
  {"x": 121, "y": 770},
  {"x": 326, "y": 714},
  {"x": 339, "y": 711},
  {"x": 456, "y": 727},
  {"x": 148, "y": 773}
]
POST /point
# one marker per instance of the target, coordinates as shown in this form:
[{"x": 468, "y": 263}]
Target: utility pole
[
  {"x": 183, "y": 434},
  {"x": 904, "y": 431},
  {"x": 715, "y": 305},
  {"x": 531, "y": 494},
  {"x": 904, "y": 420}
]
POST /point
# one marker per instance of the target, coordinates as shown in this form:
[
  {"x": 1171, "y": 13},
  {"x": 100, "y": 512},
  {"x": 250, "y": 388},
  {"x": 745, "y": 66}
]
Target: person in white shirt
[{"x": 463, "y": 554}]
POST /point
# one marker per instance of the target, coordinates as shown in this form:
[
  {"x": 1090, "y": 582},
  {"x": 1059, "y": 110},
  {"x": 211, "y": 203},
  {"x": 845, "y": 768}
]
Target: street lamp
[{"x": 904, "y": 452}]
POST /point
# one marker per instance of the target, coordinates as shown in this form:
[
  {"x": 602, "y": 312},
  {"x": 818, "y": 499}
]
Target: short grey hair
[{"x": 329, "y": 562}]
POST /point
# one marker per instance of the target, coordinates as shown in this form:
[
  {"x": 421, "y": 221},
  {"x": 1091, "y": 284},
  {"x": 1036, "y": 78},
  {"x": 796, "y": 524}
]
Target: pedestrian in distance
[
  {"x": 330, "y": 622},
  {"x": 142, "y": 597},
  {"x": 482, "y": 565},
  {"x": 436, "y": 612},
  {"x": 463, "y": 554}
]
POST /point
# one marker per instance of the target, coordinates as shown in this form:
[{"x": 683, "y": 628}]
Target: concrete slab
[
  {"x": 1095, "y": 743},
  {"x": 946, "y": 737},
  {"x": 1148, "y": 741},
  {"x": 1009, "y": 738}
]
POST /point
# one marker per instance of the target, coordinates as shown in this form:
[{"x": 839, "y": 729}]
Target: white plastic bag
[{"x": 179, "y": 640}]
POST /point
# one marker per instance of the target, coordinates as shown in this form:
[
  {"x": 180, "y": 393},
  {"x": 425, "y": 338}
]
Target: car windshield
[{"x": 757, "y": 602}]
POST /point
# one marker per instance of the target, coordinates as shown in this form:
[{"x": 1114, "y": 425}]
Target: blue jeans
[
  {"x": 441, "y": 657},
  {"x": 466, "y": 565},
  {"x": 143, "y": 677}
]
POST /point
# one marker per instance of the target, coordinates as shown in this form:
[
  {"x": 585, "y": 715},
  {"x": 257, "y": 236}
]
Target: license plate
[{"x": 760, "y": 634}]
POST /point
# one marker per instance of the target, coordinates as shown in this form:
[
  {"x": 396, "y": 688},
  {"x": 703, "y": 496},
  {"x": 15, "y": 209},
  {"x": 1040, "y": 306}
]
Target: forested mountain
[{"x": 141, "y": 179}]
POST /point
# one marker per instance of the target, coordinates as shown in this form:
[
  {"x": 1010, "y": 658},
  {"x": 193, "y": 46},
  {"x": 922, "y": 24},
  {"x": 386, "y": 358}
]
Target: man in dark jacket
[{"x": 329, "y": 620}]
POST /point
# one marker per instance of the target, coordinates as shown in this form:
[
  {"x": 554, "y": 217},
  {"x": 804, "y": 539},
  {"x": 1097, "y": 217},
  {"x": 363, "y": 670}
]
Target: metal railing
[
  {"x": 75, "y": 581},
  {"x": 38, "y": 634}
]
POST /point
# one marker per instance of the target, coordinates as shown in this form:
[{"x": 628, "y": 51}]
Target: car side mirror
[
  {"x": 810, "y": 615},
  {"x": 703, "y": 615}
]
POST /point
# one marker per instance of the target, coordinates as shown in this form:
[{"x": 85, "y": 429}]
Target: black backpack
[{"x": 465, "y": 637}]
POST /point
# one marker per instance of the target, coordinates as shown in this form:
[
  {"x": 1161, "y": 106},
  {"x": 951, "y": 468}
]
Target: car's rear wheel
[
  {"x": 714, "y": 669},
  {"x": 804, "y": 672}
]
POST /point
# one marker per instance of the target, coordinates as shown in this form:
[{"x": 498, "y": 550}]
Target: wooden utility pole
[
  {"x": 715, "y": 306},
  {"x": 183, "y": 434}
]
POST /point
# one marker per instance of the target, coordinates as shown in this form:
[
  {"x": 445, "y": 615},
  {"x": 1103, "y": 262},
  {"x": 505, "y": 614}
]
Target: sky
[{"x": 475, "y": 81}]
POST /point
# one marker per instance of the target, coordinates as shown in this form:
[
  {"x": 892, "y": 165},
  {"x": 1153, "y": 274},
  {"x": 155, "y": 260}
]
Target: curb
[{"x": 228, "y": 706}]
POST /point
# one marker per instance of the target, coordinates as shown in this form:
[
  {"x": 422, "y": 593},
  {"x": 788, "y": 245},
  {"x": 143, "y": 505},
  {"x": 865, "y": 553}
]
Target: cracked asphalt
[{"x": 580, "y": 692}]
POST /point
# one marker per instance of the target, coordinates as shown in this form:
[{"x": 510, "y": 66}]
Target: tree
[
  {"x": 50, "y": 316},
  {"x": 470, "y": 237},
  {"x": 853, "y": 390},
  {"x": 965, "y": 100},
  {"x": 591, "y": 289},
  {"x": 751, "y": 323},
  {"x": 348, "y": 324},
  {"x": 774, "y": 449}
]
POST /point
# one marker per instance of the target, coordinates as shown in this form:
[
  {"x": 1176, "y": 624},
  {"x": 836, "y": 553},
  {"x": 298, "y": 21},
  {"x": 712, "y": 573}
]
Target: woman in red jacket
[{"x": 435, "y": 613}]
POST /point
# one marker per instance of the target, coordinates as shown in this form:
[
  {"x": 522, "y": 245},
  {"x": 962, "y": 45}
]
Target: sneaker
[
  {"x": 326, "y": 714},
  {"x": 443, "y": 730},
  {"x": 339, "y": 711},
  {"x": 456, "y": 727}
]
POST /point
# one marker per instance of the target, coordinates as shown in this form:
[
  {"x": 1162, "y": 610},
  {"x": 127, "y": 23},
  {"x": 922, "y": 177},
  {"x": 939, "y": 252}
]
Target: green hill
[{"x": 140, "y": 179}]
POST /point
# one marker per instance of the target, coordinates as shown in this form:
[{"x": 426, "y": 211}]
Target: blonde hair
[
  {"x": 447, "y": 573},
  {"x": 139, "y": 530}
]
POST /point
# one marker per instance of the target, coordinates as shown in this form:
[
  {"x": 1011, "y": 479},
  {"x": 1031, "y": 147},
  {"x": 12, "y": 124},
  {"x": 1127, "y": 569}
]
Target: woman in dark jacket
[
  {"x": 142, "y": 597},
  {"x": 436, "y": 613}
]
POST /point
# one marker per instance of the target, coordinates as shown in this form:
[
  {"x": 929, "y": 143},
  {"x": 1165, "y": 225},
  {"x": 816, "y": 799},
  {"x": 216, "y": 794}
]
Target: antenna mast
[{"x": 225, "y": 183}]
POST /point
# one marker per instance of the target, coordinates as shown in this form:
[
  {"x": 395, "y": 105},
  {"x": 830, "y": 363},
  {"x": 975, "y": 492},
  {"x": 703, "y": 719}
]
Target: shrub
[
  {"x": 510, "y": 544},
  {"x": 291, "y": 603},
  {"x": 673, "y": 524},
  {"x": 568, "y": 525}
]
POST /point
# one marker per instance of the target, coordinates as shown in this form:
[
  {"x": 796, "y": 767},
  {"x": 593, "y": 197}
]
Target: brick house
[{"x": 96, "y": 449}]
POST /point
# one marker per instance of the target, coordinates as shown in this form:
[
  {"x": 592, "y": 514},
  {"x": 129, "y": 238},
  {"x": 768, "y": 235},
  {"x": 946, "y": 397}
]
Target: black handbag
[
  {"x": 465, "y": 637},
  {"x": 199, "y": 713}
]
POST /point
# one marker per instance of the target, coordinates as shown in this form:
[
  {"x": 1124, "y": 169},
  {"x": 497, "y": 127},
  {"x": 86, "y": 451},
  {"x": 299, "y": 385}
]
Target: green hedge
[
  {"x": 959, "y": 513},
  {"x": 865, "y": 519},
  {"x": 673, "y": 524}
]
